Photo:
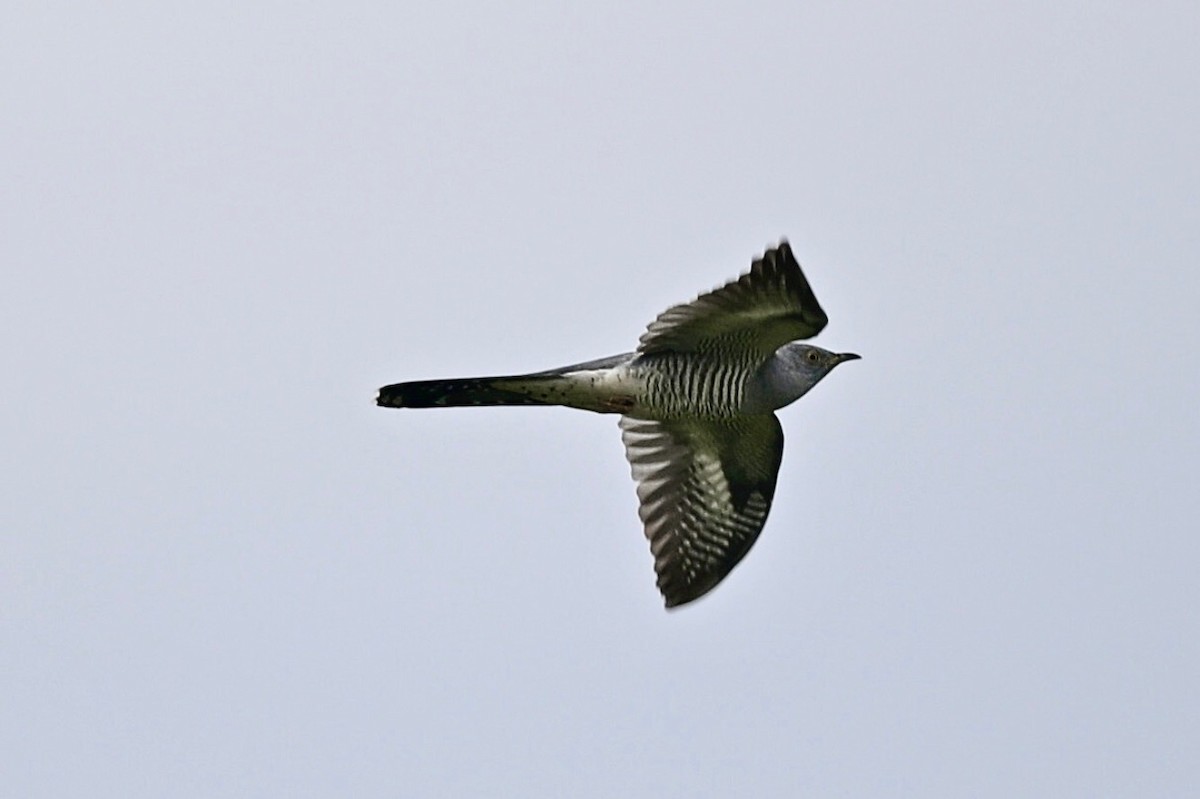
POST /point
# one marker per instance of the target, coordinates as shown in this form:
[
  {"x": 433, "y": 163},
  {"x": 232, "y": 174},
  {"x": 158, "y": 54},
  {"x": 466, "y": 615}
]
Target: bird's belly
[{"x": 674, "y": 386}]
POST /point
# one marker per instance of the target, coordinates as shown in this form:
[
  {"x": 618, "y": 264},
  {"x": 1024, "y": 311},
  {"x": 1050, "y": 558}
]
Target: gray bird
[{"x": 697, "y": 402}]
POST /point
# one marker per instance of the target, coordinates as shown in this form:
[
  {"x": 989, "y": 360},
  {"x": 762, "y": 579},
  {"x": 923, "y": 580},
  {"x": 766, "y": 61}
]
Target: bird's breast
[{"x": 689, "y": 385}]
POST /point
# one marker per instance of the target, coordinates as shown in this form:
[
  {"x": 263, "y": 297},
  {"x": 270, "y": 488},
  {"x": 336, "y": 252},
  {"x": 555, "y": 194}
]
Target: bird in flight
[{"x": 697, "y": 402}]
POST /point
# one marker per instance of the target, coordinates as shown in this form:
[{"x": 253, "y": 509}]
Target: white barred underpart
[{"x": 687, "y": 385}]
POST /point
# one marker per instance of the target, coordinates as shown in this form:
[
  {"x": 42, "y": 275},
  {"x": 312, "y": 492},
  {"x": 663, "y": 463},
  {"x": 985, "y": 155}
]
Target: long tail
[{"x": 469, "y": 391}]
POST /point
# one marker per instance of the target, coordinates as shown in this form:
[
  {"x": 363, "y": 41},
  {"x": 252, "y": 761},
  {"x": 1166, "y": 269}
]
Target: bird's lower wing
[{"x": 705, "y": 488}]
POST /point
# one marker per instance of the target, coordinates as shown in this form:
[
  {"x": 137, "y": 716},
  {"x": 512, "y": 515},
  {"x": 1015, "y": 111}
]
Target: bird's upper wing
[
  {"x": 705, "y": 487},
  {"x": 759, "y": 312}
]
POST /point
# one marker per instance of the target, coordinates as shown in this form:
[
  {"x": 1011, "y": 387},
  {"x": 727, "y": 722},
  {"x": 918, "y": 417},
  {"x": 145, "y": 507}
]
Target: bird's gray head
[{"x": 786, "y": 377}]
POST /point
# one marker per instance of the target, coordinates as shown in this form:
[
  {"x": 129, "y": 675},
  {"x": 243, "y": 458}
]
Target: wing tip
[{"x": 678, "y": 596}]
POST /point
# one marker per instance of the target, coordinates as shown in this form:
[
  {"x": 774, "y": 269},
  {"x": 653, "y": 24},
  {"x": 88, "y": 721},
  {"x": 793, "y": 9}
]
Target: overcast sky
[{"x": 224, "y": 572}]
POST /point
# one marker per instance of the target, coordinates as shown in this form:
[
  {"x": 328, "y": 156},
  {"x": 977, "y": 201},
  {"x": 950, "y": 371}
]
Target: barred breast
[{"x": 691, "y": 384}]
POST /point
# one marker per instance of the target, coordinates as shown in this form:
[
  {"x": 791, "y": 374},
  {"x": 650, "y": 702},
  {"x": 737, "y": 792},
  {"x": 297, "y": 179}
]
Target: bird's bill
[{"x": 847, "y": 356}]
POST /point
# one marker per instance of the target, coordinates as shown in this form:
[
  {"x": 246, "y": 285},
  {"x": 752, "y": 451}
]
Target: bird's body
[
  {"x": 655, "y": 387},
  {"x": 696, "y": 402}
]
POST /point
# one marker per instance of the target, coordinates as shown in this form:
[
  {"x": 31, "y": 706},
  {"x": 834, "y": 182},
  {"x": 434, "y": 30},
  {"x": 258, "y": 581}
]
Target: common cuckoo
[{"x": 697, "y": 402}]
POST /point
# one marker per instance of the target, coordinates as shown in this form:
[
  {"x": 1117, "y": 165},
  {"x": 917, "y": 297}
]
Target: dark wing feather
[
  {"x": 761, "y": 311},
  {"x": 705, "y": 488}
]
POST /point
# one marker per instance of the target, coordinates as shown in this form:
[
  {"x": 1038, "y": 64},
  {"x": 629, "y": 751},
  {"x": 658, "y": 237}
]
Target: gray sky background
[{"x": 223, "y": 572}]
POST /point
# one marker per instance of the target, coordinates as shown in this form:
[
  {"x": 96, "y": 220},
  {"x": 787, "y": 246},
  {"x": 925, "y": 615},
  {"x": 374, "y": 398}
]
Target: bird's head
[
  {"x": 811, "y": 361},
  {"x": 788, "y": 376}
]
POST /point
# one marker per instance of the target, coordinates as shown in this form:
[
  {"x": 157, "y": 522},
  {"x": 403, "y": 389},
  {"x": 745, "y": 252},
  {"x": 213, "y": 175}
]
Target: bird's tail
[{"x": 472, "y": 391}]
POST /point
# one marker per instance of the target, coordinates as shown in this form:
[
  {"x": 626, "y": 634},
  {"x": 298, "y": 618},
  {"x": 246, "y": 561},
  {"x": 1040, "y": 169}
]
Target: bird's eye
[{"x": 813, "y": 357}]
